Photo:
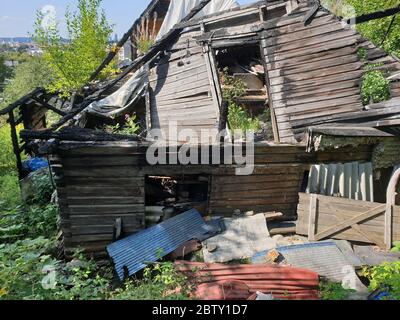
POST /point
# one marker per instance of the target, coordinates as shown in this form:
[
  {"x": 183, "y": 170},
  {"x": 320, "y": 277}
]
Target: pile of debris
[{"x": 241, "y": 260}]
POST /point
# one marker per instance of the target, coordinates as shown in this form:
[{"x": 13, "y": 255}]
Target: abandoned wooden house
[{"x": 323, "y": 158}]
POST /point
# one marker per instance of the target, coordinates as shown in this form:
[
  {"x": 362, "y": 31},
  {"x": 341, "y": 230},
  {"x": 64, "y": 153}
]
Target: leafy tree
[
  {"x": 74, "y": 62},
  {"x": 375, "y": 30},
  {"x": 27, "y": 76}
]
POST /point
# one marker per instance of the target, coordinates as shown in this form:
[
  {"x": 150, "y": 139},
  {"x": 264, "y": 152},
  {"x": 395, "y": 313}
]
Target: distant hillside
[{"x": 17, "y": 39}]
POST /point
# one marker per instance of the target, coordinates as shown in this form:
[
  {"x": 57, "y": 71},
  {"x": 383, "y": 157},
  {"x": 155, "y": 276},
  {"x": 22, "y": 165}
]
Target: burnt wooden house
[{"x": 312, "y": 66}]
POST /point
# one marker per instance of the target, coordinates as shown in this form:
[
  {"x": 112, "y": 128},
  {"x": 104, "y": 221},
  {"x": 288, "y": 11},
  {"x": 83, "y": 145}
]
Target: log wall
[{"x": 100, "y": 182}]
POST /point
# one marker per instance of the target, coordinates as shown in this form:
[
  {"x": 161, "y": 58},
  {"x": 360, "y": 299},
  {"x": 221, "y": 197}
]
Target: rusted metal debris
[{"x": 237, "y": 282}]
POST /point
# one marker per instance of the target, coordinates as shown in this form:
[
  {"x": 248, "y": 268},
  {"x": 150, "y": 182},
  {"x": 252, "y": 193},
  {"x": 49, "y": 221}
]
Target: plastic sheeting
[
  {"x": 179, "y": 9},
  {"x": 243, "y": 238},
  {"x": 120, "y": 101}
]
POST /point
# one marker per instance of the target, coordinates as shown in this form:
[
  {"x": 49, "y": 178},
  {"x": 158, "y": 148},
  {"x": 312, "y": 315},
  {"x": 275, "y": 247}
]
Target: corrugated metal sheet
[
  {"x": 153, "y": 243},
  {"x": 326, "y": 259},
  {"x": 239, "y": 282},
  {"x": 351, "y": 180}
]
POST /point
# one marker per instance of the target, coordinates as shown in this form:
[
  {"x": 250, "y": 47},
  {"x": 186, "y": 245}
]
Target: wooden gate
[{"x": 320, "y": 217}]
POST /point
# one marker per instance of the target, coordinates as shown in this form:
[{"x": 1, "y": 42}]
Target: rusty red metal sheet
[{"x": 240, "y": 282}]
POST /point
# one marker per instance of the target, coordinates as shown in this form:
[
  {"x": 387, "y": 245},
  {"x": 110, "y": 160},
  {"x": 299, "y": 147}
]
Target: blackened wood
[
  {"x": 75, "y": 134},
  {"x": 223, "y": 116},
  {"x": 373, "y": 16},
  {"x": 17, "y": 103},
  {"x": 48, "y": 106},
  {"x": 14, "y": 139}
]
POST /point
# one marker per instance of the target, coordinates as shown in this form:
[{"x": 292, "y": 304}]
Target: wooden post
[
  {"x": 313, "y": 216},
  {"x": 270, "y": 102},
  {"x": 390, "y": 202},
  {"x": 14, "y": 139}
]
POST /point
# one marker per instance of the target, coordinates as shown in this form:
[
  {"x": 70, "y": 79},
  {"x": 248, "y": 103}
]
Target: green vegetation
[
  {"x": 28, "y": 75},
  {"x": 5, "y": 72},
  {"x": 130, "y": 127},
  {"x": 385, "y": 276},
  {"x": 144, "y": 38},
  {"x": 333, "y": 291},
  {"x": 72, "y": 63},
  {"x": 375, "y": 87},
  {"x": 238, "y": 116},
  {"x": 396, "y": 246},
  {"x": 375, "y": 30}
]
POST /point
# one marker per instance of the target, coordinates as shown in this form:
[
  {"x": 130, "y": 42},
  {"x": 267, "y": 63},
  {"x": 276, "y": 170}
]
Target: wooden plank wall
[
  {"x": 100, "y": 182},
  {"x": 94, "y": 189},
  {"x": 181, "y": 90},
  {"x": 314, "y": 70}
]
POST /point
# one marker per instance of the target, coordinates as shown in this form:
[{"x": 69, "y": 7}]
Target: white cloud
[{"x": 49, "y": 16}]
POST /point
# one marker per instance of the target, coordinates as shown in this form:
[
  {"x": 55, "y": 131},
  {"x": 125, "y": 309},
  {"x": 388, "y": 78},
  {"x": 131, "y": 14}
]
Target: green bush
[
  {"x": 28, "y": 271},
  {"x": 130, "y": 127},
  {"x": 384, "y": 276},
  {"x": 159, "y": 282},
  {"x": 41, "y": 221},
  {"x": 232, "y": 88},
  {"x": 333, "y": 291},
  {"x": 375, "y": 87}
]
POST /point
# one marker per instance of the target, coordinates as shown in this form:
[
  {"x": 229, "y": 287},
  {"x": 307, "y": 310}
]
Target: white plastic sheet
[
  {"x": 117, "y": 103},
  {"x": 179, "y": 9}
]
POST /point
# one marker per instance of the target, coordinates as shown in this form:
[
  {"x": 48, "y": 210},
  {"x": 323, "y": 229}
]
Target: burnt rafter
[{"x": 48, "y": 106}]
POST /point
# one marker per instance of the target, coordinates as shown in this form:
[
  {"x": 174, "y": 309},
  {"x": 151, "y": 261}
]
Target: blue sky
[{"x": 17, "y": 16}]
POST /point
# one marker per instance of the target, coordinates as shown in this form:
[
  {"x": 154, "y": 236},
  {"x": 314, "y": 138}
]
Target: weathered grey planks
[
  {"x": 181, "y": 89},
  {"x": 315, "y": 71},
  {"x": 346, "y": 219}
]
